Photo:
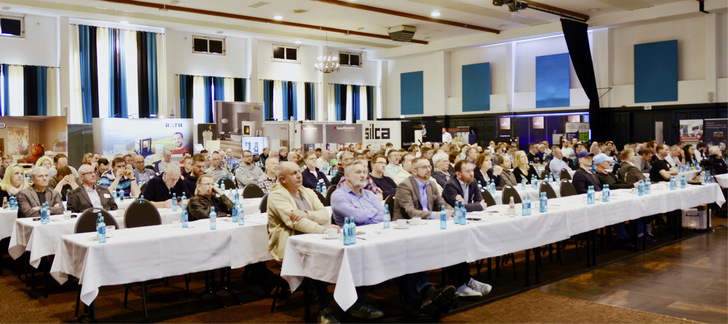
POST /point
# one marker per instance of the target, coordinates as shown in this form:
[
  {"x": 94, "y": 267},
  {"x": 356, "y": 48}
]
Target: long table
[
  {"x": 381, "y": 254},
  {"x": 153, "y": 252}
]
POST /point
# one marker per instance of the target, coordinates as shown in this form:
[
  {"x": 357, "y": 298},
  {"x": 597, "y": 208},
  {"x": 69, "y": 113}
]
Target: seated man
[
  {"x": 141, "y": 173},
  {"x": 270, "y": 178},
  {"x": 416, "y": 196},
  {"x": 159, "y": 190},
  {"x": 441, "y": 165},
  {"x": 558, "y": 163},
  {"x": 120, "y": 177},
  {"x": 247, "y": 172},
  {"x": 89, "y": 194},
  {"x": 462, "y": 188},
  {"x": 629, "y": 173},
  {"x": 63, "y": 182},
  {"x": 207, "y": 196},
  {"x": 583, "y": 177},
  {"x": 218, "y": 170},
  {"x": 383, "y": 182},
  {"x": 603, "y": 164},
  {"x": 661, "y": 170},
  {"x": 293, "y": 208},
  {"x": 32, "y": 198},
  {"x": 166, "y": 162},
  {"x": 197, "y": 170}
]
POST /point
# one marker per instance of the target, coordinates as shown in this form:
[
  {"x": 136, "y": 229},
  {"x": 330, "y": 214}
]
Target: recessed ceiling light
[
  {"x": 124, "y": 22},
  {"x": 435, "y": 14},
  {"x": 298, "y": 42},
  {"x": 277, "y": 17}
]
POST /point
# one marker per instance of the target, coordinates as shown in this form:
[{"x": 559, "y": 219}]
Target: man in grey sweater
[{"x": 247, "y": 172}]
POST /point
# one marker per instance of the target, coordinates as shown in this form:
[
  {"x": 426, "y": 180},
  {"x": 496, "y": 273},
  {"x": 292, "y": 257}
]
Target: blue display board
[
  {"x": 476, "y": 87},
  {"x": 553, "y": 81},
  {"x": 412, "y": 94},
  {"x": 655, "y": 71}
]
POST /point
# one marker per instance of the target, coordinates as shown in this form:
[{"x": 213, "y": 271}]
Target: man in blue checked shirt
[{"x": 350, "y": 199}]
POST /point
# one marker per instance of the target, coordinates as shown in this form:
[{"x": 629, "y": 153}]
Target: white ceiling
[{"x": 472, "y": 12}]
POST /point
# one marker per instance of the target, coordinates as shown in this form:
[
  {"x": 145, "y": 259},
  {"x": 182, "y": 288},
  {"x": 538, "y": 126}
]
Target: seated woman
[
  {"x": 485, "y": 171},
  {"x": 63, "y": 182},
  {"x": 207, "y": 195},
  {"x": 13, "y": 182},
  {"x": 311, "y": 174},
  {"x": 521, "y": 168},
  {"x": 689, "y": 154},
  {"x": 45, "y": 162},
  {"x": 506, "y": 177}
]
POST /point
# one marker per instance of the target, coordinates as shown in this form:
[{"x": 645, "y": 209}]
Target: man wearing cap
[
  {"x": 603, "y": 164},
  {"x": 583, "y": 177}
]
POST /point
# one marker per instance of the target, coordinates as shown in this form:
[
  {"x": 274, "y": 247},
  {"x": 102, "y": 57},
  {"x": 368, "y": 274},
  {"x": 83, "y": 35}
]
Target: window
[
  {"x": 285, "y": 53},
  {"x": 208, "y": 45},
  {"x": 11, "y": 26},
  {"x": 350, "y": 58}
]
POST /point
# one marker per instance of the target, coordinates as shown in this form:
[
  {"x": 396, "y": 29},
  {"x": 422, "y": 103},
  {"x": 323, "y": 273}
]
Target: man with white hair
[
  {"x": 715, "y": 162},
  {"x": 217, "y": 168},
  {"x": 89, "y": 194},
  {"x": 32, "y": 198},
  {"x": 166, "y": 161},
  {"x": 159, "y": 190},
  {"x": 673, "y": 158},
  {"x": 441, "y": 171},
  {"x": 393, "y": 157}
]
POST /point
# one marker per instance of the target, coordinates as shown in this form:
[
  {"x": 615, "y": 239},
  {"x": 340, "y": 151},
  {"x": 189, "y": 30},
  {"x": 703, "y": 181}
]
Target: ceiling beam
[
  {"x": 408, "y": 15},
  {"x": 556, "y": 10},
  {"x": 160, "y": 6}
]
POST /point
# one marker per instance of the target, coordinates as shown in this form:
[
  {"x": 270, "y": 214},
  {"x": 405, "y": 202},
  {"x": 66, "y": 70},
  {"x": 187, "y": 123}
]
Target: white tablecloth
[
  {"x": 722, "y": 180},
  {"x": 145, "y": 253},
  {"x": 7, "y": 219},
  {"x": 385, "y": 254},
  {"x": 530, "y": 191},
  {"x": 42, "y": 240}
]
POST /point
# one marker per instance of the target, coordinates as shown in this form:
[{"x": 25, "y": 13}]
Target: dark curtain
[
  {"x": 268, "y": 99},
  {"x": 310, "y": 104},
  {"x": 117, "y": 93},
  {"x": 89, "y": 73},
  {"x": 355, "y": 104},
  {"x": 370, "y": 103},
  {"x": 208, "y": 99},
  {"x": 577, "y": 41},
  {"x": 6, "y": 89},
  {"x": 340, "y": 101},
  {"x": 30, "y": 83},
  {"x": 147, "y": 72},
  {"x": 289, "y": 100},
  {"x": 185, "y": 96},
  {"x": 239, "y": 89}
]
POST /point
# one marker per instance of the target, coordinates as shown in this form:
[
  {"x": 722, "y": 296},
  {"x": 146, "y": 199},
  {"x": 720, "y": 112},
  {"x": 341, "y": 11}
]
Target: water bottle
[
  {"x": 605, "y": 193},
  {"x": 648, "y": 186},
  {"x": 543, "y": 205},
  {"x": 352, "y": 231},
  {"x": 534, "y": 182},
  {"x": 443, "y": 218},
  {"x": 184, "y": 199},
  {"x": 641, "y": 188},
  {"x": 557, "y": 178},
  {"x": 512, "y": 208},
  {"x": 590, "y": 195},
  {"x": 140, "y": 198},
  {"x": 213, "y": 219},
  {"x": 523, "y": 183},
  {"x": 528, "y": 205},
  {"x": 683, "y": 182},
  {"x": 524, "y": 209},
  {"x": 318, "y": 186},
  {"x": 673, "y": 183},
  {"x": 480, "y": 186},
  {"x": 386, "y": 218},
  {"x": 492, "y": 187},
  {"x": 237, "y": 196},
  {"x": 44, "y": 213},
  {"x": 13, "y": 202},
  {"x": 241, "y": 215},
  {"x": 463, "y": 214},
  {"x": 174, "y": 202},
  {"x": 347, "y": 233},
  {"x": 708, "y": 177},
  {"x": 101, "y": 229},
  {"x": 184, "y": 218},
  {"x": 68, "y": 192},
  {"x": 113, "y": 194},
  {"x": 235, "y": 213},
  {"x": 121, "y": 195}
]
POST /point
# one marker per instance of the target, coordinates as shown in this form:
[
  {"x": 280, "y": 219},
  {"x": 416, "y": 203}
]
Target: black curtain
[
  {"x": 239, "y": 94},
  {"x": 290, "y": 100},
  {"x": 370, "y": 103},
  {"x": 308, "y": 102},
  {"x": 577, "y": 41},
  {"x": 117, "y": 73},
  {"x": 142, "y": 67},
  {"x": 30, "y": 84},
  {"x": 342, "y": 100},
  {"x": 93, "y": 67}
]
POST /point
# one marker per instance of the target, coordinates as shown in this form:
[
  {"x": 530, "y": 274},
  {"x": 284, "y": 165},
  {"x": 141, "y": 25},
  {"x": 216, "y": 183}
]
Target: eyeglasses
[{"x": 85, "y": 173}]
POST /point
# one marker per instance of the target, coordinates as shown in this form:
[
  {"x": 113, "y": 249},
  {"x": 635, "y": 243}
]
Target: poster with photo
[
  {"x": 146, "y": 137},
  {"x": 691, "y": 130},
  {"x": 715, "y": 132}
]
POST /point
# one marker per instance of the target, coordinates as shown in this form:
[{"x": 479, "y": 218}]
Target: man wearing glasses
[
  {"x": 89, "y": 194},
  {"x": 247, "y": 172}
]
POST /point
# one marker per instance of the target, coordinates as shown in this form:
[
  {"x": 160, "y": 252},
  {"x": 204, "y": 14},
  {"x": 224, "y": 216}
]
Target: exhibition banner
[
  {"x": 579, "y": 131},
  {"x": 378, "y": 133},
  {"x": 691, "y": 130},
  {"x": 312, "y": 133},
  {"x": 715, "y": 132},
  {"x": 344, "y": 133},
  {"x": 143, "y": 136}
]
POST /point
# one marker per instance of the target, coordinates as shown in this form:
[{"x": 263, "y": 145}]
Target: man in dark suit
[
  {"x": 32, "y": 198},
  {"x": 462, "y": 188},
  {"x": 159, "y": 190},
  {"x": 89, "y": 194},
  {"x": 629, "y": 172}
]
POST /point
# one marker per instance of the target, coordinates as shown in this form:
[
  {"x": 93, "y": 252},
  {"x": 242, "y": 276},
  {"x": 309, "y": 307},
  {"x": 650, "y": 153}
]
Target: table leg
[{"x": 528, "y": 264}]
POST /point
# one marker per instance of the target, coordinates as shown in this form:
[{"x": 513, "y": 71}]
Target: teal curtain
[
  {"x": 185, "y": 96},
  {"x": 208, "y": 99},
  {"x": 370, "y": 103},
  {"x": 355, "y": 105},
  {"x": 310, "y": 109},
  {"x": 89, "y": 73},
  {"x": 6, "y": 88},
  {"x": 268, "y": 98},
  {"x": 285, "y": 86}
]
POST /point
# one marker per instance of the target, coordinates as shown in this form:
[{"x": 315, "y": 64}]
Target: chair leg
[
  {"x": 276, "y": 293},
  {"x": 144, "y": 299},
  {"x": 126, "y": 295},
  {"x": 78, "y": 300}
]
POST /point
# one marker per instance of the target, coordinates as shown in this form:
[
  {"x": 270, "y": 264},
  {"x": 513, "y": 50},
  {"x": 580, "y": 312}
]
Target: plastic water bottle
[
  {"x": 13, "y": 202},
  {"x": 534, "y": 182},
  {"x": 590, "y": 195},
  {"x": 174, "y": 202},
  {"x": 352, "y": 231},
  {"x": 184, "y": 218},
  {"x": 683, "y": 182},
  {"x": 386, "y": 218},
  {"x": 235, "y": 213},
  {"x": 557, "y": 178},
  {"x": 543, "y": 205},
  {"x": 443, "y": 218},
  {"x": 121, "y": 195},
  {"x": 648, "y": 186},
  {"x": 605, "y": 193},
  {"x": 213, "y": 219},
  {"x": 101, "y": 229},
  {"x": 68, "y": 192},
  {"x": 524, "y": 209},
  {"x": 463, "y": 214},
  {"x": 512, "y": 208},
  {"x": 347, "y": 231},
  {"x": 523, "y": 183},
  {"x": 673, "y": 183},
  {"x": 492, "y": 187},
  {"x": 528, "y": 205},
  {"x": 708, "y": 177},
  {"x": 44, "y": 213},
  {"x": 184, "y": 199},
  {"x": 480, "y": 186},
  {"x": 641, "y": 188},
  {"x": 113, "y": 194},
  {"x": 318, "y": 186},
  {"x": 241, "y": 215}
]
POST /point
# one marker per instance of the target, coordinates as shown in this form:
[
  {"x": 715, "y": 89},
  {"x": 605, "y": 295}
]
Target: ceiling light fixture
[
  {"x": 277, "y": 17},
  {"x": 298, "y": 42},
  {"x": 327, "y": 63},
  {"x": 124, "y": 22},
  {"x": 435, "y": 14}
]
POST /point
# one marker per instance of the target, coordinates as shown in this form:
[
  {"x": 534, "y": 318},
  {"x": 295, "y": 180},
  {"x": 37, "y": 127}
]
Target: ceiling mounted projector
[{"x": 402, "y": 33}]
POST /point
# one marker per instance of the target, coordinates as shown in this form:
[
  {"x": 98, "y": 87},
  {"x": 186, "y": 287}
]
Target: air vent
[
  {"x": 259, "y": 4},
  {"x": 402, "y": 33}
]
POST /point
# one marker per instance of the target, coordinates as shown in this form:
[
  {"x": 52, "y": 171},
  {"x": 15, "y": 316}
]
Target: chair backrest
[
  {"x": 253, "y": 191},
  {"x": 508, "y": 192},
  {"x": 330, "y": 191},
  {"x": 229, "y": 184},
  {"x": 564, "y": 175},
  {"x": 633, "y": 177},
  {"x": 323, "y": 199},
  {"x": 144, "y": 186},
  {"x": 567, "y": 189},
  {"x": 488, "y": 197},
  {"x": 87, "y": 221},
  {"x": 389, "y": 201},
  {"x": 151, "y": 167},
  {"x": 550, "y": 193},
  {"x": 544, "y": 173},
  {"x": 264, "y": 204},
  {"x": 140, "y": 213}
]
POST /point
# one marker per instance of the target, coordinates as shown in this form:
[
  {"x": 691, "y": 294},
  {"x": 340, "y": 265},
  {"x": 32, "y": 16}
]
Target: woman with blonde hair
[
  {"x": 45, "y": 162},
  {"x": 521, "y": 168},
  {"x": 13, "y": 182}
]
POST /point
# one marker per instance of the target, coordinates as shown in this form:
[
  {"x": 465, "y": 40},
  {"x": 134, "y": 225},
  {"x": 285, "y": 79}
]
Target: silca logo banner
[{"x": 376, "y": 133}]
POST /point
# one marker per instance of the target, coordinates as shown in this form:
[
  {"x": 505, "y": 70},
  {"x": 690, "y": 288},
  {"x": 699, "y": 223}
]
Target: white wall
[
  {"x": 433, "y": 67},
  {"x": 38, "y": 47}
]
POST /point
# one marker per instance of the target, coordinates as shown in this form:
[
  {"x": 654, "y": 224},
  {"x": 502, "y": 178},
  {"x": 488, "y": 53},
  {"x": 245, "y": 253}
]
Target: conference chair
[
  {"x": 264, "y": 204},
  {"x": 567, "y": 189},
  {"x": 564, "y": 174},
  {"x": 141, "y": 189},
  {"x": 153, "y": 168},
  {"x": 229, "y": 184},
  {"x": 323, "y": 199},
  {"x": 544, "y": 173},
  {"x": 86, "y": 223},
  {"x": 508, "y": 192},
  {"x": 140, "y": 213},
  {"x": 544, "y": 187},
  {"x": 389, "y": 201},
  {"x": 330, "y": 191},
  {"x": 488, "y": 197},
  {"x": 253, "y": 191}
]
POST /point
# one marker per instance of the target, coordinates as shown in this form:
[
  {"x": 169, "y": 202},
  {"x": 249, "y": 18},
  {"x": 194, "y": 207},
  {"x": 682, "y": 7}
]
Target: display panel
[{"x": 255, "y": 144}]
